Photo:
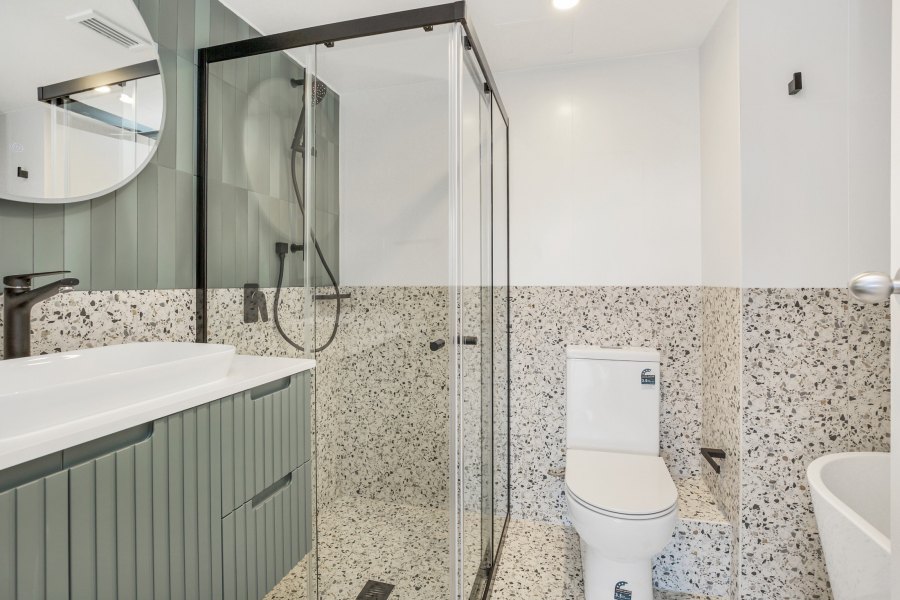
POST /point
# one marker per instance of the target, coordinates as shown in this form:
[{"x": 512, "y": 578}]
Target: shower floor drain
[{"x": 375, "y": 590}]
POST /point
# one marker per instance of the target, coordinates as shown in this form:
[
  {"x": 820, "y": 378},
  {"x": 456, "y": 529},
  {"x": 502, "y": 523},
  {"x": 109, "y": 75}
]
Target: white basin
[
  {"x": 44, "y": 392},
  {"x": 851, "y": 498}
]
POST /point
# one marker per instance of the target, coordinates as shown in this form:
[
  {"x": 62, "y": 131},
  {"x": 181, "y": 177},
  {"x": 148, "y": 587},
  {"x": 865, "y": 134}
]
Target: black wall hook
[{"x": 796, "y": 84}]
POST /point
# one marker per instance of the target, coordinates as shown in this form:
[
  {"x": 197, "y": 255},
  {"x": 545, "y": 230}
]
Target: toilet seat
[{"x": 623, "y": 486}]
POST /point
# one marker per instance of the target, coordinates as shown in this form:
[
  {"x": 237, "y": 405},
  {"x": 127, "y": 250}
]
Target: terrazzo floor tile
[
  {"x": 362, "y": 539},
  {"x": 543, "y": 561},
  {"x": 407, "y": 546}
]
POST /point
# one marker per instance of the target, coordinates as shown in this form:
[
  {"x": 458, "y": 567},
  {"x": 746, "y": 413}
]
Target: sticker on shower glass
[
  {"x": 621, "y": 593},
  {"x": 647, "y": 377}
]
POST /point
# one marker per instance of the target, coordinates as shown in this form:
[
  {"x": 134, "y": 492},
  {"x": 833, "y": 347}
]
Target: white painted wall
[
  {"x": 394, "y": 185},
  {"x": 815, "y": 166},
  {"x": 605, "y": 172},
  {"x": 720, "y": 119}
]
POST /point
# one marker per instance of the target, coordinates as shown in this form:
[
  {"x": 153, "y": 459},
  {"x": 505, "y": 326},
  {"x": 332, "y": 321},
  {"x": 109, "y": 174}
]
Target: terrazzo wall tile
[
  {"x": 815, "y": 381},
  {"x": 88, "y": 319},
  {"x": 547, "y": 319},
  {"x": 384, "y": 397},
  {"x": 721, "y": 342}
]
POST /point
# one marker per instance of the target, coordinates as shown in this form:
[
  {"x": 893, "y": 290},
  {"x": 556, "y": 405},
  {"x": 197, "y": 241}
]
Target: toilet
[{"x": 622, "y": 500}]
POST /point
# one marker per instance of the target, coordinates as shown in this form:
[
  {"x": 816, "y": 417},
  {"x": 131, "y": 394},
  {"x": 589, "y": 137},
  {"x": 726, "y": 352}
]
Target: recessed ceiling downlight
[{"x": 564, "y": 4}]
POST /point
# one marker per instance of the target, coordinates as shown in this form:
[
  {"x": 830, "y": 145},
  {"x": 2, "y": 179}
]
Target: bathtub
[{"x": 851, "y": 498}]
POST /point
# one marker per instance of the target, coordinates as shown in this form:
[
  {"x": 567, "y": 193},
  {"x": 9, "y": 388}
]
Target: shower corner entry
[{"x": 311, "y": 245}]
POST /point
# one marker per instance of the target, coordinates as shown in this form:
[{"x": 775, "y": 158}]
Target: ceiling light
[
  {"x": 126, "y": 98},
  {"x": 564, "y": 4},
  {"x": 103, "y": 89}
]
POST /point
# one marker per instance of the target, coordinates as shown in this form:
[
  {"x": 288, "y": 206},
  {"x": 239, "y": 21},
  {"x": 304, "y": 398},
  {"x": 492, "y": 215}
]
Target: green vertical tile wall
[
  {"x": 253, "y": 114},
  {"x": 143, "y": 235}
]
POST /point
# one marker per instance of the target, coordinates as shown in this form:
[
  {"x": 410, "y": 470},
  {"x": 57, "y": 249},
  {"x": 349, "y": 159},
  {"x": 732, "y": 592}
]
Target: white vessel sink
[
  {"x": 40, "y": 393},
  {"x": 851, "y": 498}
]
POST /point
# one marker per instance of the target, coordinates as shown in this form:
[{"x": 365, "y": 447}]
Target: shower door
[{"x": 477, "y": 331}]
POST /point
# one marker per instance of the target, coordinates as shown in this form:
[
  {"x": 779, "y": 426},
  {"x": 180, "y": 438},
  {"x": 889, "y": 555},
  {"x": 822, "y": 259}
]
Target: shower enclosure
[{"x": 353, "y": 208}]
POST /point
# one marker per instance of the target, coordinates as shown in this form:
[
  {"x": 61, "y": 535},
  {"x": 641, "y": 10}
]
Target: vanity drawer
[
  {"x": 265, "y": 436},
  {"x": 263, "y": 539}
]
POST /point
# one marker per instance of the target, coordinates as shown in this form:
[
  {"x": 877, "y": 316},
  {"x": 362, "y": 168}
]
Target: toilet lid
[{"x": 627, "y": 484}]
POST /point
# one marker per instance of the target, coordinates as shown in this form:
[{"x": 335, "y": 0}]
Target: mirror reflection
[{"x": 80, "y": 112}]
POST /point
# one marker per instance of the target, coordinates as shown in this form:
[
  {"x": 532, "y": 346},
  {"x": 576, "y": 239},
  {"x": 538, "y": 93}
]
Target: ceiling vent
[{"x": 108, "y": 29}]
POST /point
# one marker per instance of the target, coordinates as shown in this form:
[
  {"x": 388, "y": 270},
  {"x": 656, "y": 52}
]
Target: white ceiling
[
  {"x": 40, "y": 47},
  {"x": 524, "y": 33}
]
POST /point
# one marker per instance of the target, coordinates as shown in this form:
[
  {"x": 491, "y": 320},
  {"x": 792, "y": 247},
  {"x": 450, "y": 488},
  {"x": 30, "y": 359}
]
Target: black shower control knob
[{"x": 436, "y": 345}]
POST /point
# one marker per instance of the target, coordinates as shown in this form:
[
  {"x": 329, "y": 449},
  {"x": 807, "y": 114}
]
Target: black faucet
[{"x": 18, "y": 298}]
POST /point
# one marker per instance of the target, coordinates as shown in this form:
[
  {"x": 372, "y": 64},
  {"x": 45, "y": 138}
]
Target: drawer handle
[
  {"x": 271, "y": 490},
  {"x": 266, "y": 389}
]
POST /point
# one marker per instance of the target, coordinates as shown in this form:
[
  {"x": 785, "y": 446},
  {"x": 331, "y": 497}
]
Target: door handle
[{"x": 873, "y": 287}]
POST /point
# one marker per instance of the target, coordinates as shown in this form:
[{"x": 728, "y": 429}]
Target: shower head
[{"x": 319, "y": 89}]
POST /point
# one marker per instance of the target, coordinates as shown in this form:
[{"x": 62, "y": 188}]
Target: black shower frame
[{"x": 427, "y": 17}]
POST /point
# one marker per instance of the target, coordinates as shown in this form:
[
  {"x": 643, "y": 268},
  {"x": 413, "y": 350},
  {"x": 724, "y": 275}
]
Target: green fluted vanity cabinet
[
  {"x": 164, "y": 518},
  {"x": 34, "y": 539}
]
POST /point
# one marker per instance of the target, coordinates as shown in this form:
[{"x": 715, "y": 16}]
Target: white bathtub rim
[{"x": 817, "y": 485}]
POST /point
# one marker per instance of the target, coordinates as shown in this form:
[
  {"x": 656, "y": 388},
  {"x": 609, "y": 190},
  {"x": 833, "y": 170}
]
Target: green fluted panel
[
  {"x": 107, "y": 575},
  {"x": 250, "y": 539},
  {"x": 230, "y": 126},
  {"x": 165, "y": 151},
  {"x": 201, "y": 23},
  {"x": 280, "y": 444},
  {"x": 214, "y": 113},
  {"x": 216, "y": 23},
  {"x": 167, "y": 258},
  {"x": 229, "y": 558},
  {"x": 103, "y": 242},
  {"x": 143, "y": 492},
  {"x": 8, "y": 544},
  {"x": 16, "y": 236},
  {"x": 127, "y": 236},
  {"x": 229, "y": 466},
  {"x": 126, "y": 524},
  {"x": 57, "y": 536},
  {"x": 191, "y": 511},
  {"x": 263, "y": 542},
  {"x": 150, "y": 11},
  {"x": 161, "y": 509},
  {"x": 34, "y": 534},
  {"x": 239, "y": 241},
  {"x": 185, "y": 40},
  {"x": 185, "y": 134},
  {"x": 82, "y": 531},
  {"x": 259, "y": 447},
  {"x": 253, "y": 270},
  {"x": 204, "y": 503},
  {"x": 31, "y": 566},
  {"x": 167, "y": 35},
  {"x": 185, "y": 221},
  {"x": 176, "y": 509},
  {"x": 215, "y": 243},
  {"x": 148, "y": 227},
  {"x": 229, "y": 228},
  {"x": 77, "y": 242},
  {"x": 49, "y": 253},
  {"x": 276, "y": 539},
  {"x": 258, "y": 516},
  {"x": 215, "y": 476}
]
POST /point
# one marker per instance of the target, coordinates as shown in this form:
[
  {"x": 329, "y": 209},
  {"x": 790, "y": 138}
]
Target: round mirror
[{"x": 82, "y": 101}]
